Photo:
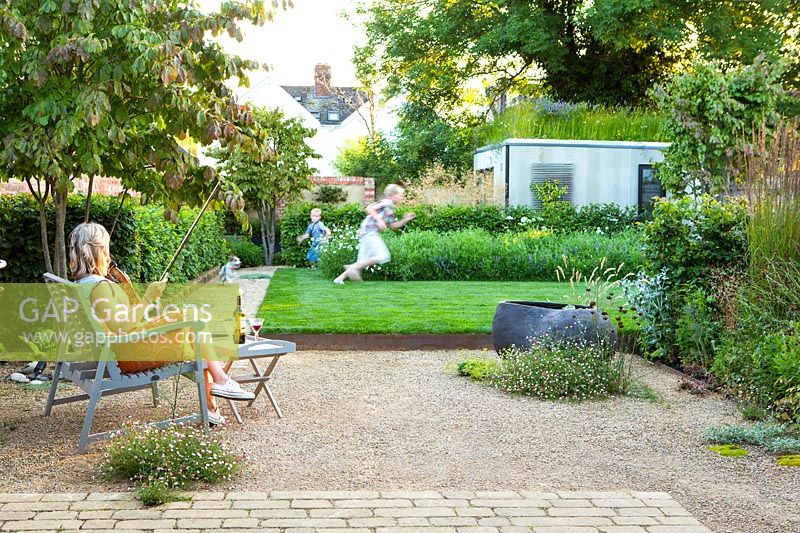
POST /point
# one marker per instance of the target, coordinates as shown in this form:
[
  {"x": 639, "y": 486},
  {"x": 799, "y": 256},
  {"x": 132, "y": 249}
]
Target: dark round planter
[{"x": 516, "y": 324}]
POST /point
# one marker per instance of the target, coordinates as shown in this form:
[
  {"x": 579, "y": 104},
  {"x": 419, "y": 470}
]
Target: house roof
[{"x": 330, "y": 109}]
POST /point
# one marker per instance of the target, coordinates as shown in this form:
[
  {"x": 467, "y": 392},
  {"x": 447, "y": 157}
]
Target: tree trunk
[
  {"x": 60, "y": 248},
  {"x": 88, "y": 199},
  {"x": 41, "y": 198},
  {"x": 262, "y": 218},
  {"x": 271, "y": 233},
  {"x": 266, "y": 215}
]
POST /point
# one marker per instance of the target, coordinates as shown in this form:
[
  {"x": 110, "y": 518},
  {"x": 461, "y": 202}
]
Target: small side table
[{"x": 252, "y": 350}]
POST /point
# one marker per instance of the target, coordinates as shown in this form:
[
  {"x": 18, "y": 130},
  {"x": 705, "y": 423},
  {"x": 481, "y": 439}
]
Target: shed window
[
  {"x": 649, "y": 188},
  {"x": 543, "y": 172}
]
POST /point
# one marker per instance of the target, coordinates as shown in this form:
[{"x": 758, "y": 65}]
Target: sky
[{"x": 297, "y": 39}]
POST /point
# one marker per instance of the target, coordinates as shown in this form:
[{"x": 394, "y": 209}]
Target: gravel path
[
  {"x": 404, "y": 420},
  {"x": 254, "y": 290}
]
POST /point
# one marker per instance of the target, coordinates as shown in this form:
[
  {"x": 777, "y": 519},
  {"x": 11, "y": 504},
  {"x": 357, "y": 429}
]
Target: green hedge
[
  {"x": 158, "y": 240},
  {"x": 605, "y": 218},
  {"x": 142, "y": 244},
  {"x": 250, "y": 254},
  {"x": 21, "y": 245},
  {"x": 476, "y": 254}
]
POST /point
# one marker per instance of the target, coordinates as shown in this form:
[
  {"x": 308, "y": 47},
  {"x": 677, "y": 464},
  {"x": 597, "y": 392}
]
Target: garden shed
[{"x": 619, "y": 172}]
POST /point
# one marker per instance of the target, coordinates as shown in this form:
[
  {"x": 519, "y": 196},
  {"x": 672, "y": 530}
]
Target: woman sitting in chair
[{"x": 89, "y": 260}]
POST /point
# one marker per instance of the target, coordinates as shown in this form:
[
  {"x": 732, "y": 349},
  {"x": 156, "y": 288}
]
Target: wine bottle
[{"x": 238, "y": 321}]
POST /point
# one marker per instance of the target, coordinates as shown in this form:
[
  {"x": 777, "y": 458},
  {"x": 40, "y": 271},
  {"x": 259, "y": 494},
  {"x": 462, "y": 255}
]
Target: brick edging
[{"x": 378, "y": 342}]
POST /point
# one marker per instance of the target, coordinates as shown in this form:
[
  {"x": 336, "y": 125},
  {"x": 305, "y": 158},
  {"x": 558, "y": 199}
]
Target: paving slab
[{"x": 396, "y": 511}]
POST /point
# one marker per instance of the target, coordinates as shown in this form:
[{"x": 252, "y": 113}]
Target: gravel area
[{"x": 404, "y": 420}]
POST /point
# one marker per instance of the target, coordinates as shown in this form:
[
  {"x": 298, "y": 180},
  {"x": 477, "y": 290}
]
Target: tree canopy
[
  {"x": 109, "y": 87},
  {"x": 600, "y": 51}
]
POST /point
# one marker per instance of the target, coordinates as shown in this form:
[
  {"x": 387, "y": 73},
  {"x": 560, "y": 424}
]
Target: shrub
[
  {"x": 477, "y": 255},
  {"x": 295, "y": 219},
  {"x": 478, "y": 369},
  {"x": 764, "y": 368},
  {"x": 21, "y": 243},
  {"x": 689, "y": 237},
  {"x": 158, "y": 240},
  {"x": 142, "y": 243},
  {"x": 649, "y": 298},
  {"x": 176, "y": 458},
  {"x": 607, "y": 218},
  {"x": 705, "y": 110},
  {"x": 330, "y": 194},
  {"x": 566, "y": 370},
  {"x": 251, "y": 255},
  {"x": 775, "y": 438},
  {"x": 698, "y": 330},
  {"x": 495, "y": 220}
]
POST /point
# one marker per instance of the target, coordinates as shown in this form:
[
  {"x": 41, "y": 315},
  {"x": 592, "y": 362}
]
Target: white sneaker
[
  {"x": 232, "y": 391},
  {"x": 215, "y": 418}
]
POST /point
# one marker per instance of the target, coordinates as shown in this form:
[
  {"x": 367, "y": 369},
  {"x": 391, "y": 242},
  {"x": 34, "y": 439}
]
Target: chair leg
[
  {"x": 53, "y": 387},
  {"x": 201, "y": 392},
  {"x": 94, "y": 398},
  {"x": 154, "y": 390}
]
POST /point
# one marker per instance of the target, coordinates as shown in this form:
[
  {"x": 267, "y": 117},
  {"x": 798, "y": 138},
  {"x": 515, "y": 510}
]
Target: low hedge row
[
  {"x": 158, "y": 240},
  {"x": 476, "y": 254},
  {"x": 605, "y": 218},
  {"x": 142, "y": 243},
  {"x": 249, "y": 253}
]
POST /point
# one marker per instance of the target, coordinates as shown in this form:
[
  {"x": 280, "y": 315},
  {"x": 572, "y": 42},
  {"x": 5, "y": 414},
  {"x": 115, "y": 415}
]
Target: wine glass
[{"x": 256, "y": 324}]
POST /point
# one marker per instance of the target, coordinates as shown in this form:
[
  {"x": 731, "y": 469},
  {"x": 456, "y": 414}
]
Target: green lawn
[{"x": 302, "y": 301}]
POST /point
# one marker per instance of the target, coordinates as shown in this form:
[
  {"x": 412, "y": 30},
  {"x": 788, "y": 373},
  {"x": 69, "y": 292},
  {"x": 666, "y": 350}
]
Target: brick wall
[
  {"x": 113, "y": 186},
  {"x": 104, "y": 186},
  {"x": 368, "y": 185},
  {"x": 340, "y": 181}
]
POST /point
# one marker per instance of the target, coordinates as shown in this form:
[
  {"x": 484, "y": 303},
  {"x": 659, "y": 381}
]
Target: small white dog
[{"x": 227, "y": 273}]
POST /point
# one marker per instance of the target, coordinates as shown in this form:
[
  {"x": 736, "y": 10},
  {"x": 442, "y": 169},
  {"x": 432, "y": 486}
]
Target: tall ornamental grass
[
  {"x": 545, "y": 119},
  {"x": 771, "y": 166}
]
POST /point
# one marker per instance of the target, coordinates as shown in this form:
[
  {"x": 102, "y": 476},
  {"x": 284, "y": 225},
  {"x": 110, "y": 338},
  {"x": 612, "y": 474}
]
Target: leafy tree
[
  {"x": 330, "y": 194},
  {"x": 108, "y": 88},
  {"x": 709, "y": 111},
  {"x": 420, "y": 140},
  {"x": 373, "y": 157},
  {"x": 424, "y": 138},
  {"x": 282, "y": 175},
  {"x": 439, "y": 52}
]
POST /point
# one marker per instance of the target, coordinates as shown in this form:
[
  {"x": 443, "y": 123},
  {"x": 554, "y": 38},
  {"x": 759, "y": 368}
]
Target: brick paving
[{"x": 453, "y": 511}]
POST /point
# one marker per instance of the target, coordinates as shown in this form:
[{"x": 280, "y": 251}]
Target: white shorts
[{"x": 371, "y": 246}]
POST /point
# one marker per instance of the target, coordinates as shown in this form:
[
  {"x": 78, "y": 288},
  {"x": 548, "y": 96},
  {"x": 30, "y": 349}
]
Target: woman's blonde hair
[{"x": 88, "y": 250}]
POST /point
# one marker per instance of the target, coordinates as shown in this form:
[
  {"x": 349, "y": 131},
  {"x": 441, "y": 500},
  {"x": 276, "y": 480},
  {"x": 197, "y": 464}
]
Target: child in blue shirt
[{"x": 318, "y": 233}]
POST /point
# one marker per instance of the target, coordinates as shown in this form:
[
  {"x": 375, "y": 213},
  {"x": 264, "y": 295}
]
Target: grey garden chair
[{"x": 95, "y": 371}]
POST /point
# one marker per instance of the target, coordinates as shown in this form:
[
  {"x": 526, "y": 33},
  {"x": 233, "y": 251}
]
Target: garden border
[{"x": 397, "y": 342}]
